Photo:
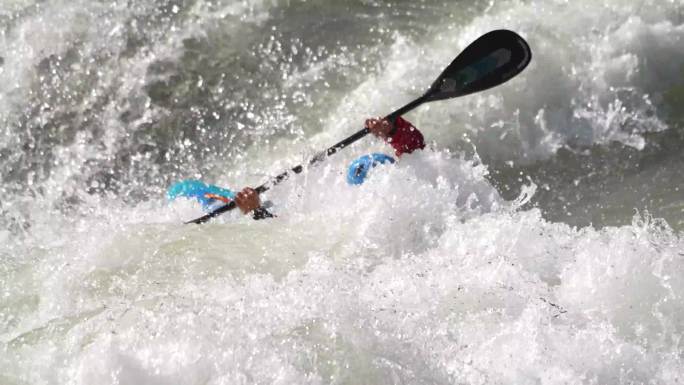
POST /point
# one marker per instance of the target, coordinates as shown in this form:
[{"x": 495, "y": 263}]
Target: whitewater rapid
[
  {"x": 536, "y": 240},
  {"x": 409, "y": 278}
]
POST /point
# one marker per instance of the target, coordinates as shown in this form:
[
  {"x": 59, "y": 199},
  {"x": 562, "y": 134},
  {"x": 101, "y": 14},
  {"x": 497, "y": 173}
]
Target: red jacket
[{"x": 406, "y": 137}]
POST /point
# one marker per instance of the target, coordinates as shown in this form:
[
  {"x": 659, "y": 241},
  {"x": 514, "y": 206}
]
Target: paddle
[{"x": 493, "y": 59}]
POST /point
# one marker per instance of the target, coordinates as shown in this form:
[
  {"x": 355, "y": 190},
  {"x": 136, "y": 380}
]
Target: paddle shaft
[{"x": 318, "y": 158}]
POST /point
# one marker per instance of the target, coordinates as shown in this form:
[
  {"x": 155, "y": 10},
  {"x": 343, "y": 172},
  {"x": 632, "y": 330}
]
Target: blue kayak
[{"x": 209, "y": 196}]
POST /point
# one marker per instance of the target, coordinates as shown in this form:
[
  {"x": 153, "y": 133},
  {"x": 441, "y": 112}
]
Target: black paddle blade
[{"x": 493, "y": 59}]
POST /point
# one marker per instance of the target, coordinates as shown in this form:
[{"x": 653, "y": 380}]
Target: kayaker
[{"x": 404, "y": 138}]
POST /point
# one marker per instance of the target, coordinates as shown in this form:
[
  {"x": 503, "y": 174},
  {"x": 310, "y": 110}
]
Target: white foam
[{"x": 420, "y": 275}]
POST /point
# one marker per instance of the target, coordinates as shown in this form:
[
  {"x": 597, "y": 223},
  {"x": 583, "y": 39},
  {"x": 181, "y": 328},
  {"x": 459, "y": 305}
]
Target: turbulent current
[{"x": 536, "y": 240}]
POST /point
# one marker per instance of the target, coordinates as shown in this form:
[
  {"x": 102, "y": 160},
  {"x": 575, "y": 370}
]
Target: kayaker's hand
[
  {"x": 379, "y": 127},
  {"x": 247, "y": 200}
]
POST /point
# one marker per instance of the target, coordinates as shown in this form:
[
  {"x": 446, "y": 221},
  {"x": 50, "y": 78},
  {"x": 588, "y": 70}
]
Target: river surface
[{"x": 536, "y": 240}]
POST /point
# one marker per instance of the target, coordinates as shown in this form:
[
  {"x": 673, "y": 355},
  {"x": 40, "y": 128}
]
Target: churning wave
[{"x": 536, "y": 240}]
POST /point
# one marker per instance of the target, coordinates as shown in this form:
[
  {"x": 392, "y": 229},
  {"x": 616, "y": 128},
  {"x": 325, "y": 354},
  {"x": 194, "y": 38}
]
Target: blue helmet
[{"x": 358, "y": 169}]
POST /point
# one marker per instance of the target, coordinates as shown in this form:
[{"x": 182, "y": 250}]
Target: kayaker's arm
[
  {"x": 404, "y": 137},
  {"x": 248, "y": 201}
]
